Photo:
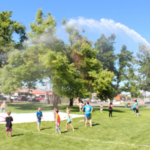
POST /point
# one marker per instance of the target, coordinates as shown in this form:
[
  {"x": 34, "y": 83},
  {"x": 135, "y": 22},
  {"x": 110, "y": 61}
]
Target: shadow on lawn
[
  {"x": 29, "y": 106},
  {"x": 45, "y": 128},
  {"x": 64, "y": 131},
  {"x": 95, "y": 124},
  {"x": 44, "y": 107},
  {"x": 17, "y": 135}
]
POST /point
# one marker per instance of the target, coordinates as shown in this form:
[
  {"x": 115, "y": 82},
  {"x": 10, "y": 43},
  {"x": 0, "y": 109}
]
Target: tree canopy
[
  {"x": 7, "y": 29},
  {"x": 76, "y": 69}
]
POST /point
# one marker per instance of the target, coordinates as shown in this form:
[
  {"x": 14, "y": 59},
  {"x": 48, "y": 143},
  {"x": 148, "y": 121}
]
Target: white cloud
[{"x": 109, "y": 25}]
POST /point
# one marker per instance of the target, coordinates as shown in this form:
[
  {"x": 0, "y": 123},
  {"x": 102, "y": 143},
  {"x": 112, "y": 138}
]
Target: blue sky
[
  {"x": 128, "y": 19},
  {"x": 133, "y": 14}
]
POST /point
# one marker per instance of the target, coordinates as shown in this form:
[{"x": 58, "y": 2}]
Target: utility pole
[
  {"x": 50, "y": 85},
  {"x": 46, "y": 97},
  {"x": 51, "y": 89}
]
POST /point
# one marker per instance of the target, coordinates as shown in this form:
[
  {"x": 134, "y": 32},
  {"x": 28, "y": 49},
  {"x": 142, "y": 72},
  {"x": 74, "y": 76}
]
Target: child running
[
  {"x": 3, "y": 105},
  {"x": 69, "y": 120},
  {"x": 9, "y": 119},
  {"x": 39, "y": 116},
  {"x": 101, "y": 108},
  {"x": 57, "y": 122},
  {"x": 137, "y": 111}
]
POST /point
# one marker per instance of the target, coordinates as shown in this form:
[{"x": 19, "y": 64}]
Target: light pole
[{"x": 46, "y": 98}]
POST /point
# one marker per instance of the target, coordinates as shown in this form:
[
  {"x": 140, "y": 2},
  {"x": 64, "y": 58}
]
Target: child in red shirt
[{"x": 57, "y": 122}]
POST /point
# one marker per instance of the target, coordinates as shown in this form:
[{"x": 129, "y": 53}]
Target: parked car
[
  {"x": 2, "y": 97},
  {"x": 33, "y": 100},
  {"x": 7, "y": 96},
  {"x": 14, "y": 97},
  {"x": 40, "y": 98},
  {"x": 84, "y": 100},
  {"x": 99, "y": 100},
  {"x": 93, "y": 101},
  {"x": 22, "y": 98},
  {"x": 147, "y": 102}
]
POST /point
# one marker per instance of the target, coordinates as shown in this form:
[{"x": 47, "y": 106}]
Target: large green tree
[
  {"x": 7, "y": 29},
  {"x": 71, "y": 67},
  {"x": 125, "y": 61},
  {"x": 143, "y": 62},
  {"x": 105, "y": 48},
  {"x": 24, "y": 66},
  {"x": 126, "y": 77},
  {"x": 77, "y": 73}
]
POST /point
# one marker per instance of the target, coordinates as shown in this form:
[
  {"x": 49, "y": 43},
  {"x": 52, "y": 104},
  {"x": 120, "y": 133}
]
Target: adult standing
[
  {"x": 80, "y": 105},
  {"x": 88, "y": 110},
  {"x": 110, "y": 107}
]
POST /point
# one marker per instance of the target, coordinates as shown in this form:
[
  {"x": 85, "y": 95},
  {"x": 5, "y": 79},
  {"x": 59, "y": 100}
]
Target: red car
[
  {"x": 22, "y": 98},
  {"x": 40, "y": 98}
]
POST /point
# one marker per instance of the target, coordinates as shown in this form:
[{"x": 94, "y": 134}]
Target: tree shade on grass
[{"x": 118, "y": 132}]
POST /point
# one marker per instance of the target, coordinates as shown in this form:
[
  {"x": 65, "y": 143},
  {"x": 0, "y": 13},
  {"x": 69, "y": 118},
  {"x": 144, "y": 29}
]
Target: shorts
[
  {"x": 101, "y": 109},
  {"x": 2, "y": 109},
  {"x": 57, "y": 127},
  {"x": 38, "y": 122},
  {"x": 69, "y": 122},
  {"x": 134, "y": 108},
  {"x": 88, "y": 117},
  {"x": 8, "y": 129}
]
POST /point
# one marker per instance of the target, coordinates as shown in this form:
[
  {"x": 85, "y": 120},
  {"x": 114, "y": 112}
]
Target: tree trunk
[
  {"x": 55, "y": 98},
  {"x": 71, "y": 102}
]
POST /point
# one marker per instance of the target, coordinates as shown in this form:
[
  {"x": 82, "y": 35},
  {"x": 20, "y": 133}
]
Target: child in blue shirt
[
  {"x": 88, "y": 110},
  {"x": 39, "y": 117}
]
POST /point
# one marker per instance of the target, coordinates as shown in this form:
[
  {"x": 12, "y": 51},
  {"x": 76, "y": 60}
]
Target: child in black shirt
[{"x": 9, "y": 119}]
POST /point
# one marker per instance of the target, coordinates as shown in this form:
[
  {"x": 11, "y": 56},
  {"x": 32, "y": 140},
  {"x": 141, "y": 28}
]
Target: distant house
[
  {"x": 23, "y": 91},
  {"x": 117, "y": 98},
  {"x": 32, "y": 92},
  {"x": 37, "y": 92}
]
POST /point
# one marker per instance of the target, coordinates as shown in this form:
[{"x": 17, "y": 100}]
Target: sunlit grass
[{"x": 123, "y": 127}]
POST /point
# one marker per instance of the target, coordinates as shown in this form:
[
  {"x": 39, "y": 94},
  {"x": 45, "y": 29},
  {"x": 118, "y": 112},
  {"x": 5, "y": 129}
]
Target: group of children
[
  {"x": 56, "y": 118},
  {"x": 88, "y": 110}
]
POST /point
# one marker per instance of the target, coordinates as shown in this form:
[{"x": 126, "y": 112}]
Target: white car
[
  {"x": 93, "y": 101},
  {"x": 7, "y": 96},
  {"x": 14, "y": 97}
]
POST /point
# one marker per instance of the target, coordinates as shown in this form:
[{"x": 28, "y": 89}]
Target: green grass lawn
[{"x": 116, "y": 133}]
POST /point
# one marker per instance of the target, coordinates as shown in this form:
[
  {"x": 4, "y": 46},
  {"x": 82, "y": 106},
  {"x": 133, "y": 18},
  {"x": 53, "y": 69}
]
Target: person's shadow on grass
[
  {"x": 17, "y": 135},
  {"x": 95, "y": 124},
  {"x": 64, "y": 131},
  {"x": 76, "y": 128},
  {"x": 45, "y": 128}
]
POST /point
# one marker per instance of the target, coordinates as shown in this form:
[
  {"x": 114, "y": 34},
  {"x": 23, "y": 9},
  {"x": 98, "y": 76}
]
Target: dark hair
[
  {"x": 80, "y": 100},
  {"x": 57, "y": 110},
  {"x": 110, "y": 103},
  {"x": 87, "y": 103}
]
